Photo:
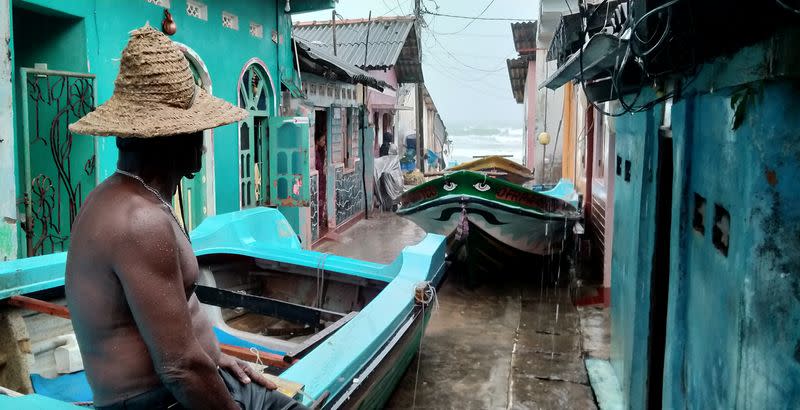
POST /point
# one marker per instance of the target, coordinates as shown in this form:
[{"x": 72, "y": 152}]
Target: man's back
[{"x": 110, "y": 224}]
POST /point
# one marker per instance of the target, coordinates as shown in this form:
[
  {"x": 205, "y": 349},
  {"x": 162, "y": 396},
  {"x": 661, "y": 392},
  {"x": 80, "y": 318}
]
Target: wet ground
[{"x": 505, "y": 344}]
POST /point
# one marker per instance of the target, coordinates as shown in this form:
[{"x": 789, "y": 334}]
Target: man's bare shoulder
[{"x": 122, "y": 212}]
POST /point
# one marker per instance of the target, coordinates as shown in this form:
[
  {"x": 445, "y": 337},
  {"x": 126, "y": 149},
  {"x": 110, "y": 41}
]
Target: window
[
  {"x": 347, "y": 140},
  {"x": 161, "y": 3},
  {"x": 197, "y": 9},
  {"x": 313, "y": 89},
  {"x": 230, "y": 20},
  {"x": 256, "y": 30},
  {"x": 352, "y": 133}
]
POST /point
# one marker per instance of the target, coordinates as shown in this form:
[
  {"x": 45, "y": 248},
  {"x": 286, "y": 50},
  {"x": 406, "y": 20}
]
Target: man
[{"x": 145, "y": 342}]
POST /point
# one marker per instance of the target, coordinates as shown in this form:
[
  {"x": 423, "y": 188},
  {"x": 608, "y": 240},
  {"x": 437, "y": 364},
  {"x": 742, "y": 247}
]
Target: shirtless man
[{"x": 144, "y": 339}]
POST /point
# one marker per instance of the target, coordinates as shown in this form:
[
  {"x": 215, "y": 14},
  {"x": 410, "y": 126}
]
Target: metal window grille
[
  {"x": 197, "y": 9},
  {"x": 230, "y": 20},
  {"x": 256, "y": 30},
  {"x": 160, "y": 3}
]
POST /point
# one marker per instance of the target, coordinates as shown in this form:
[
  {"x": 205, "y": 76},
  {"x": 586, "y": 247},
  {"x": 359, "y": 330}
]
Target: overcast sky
[{"x": 464, "y": 61}]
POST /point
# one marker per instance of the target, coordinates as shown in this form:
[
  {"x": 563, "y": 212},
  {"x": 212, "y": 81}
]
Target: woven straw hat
[{"x": 155, "y": 95}]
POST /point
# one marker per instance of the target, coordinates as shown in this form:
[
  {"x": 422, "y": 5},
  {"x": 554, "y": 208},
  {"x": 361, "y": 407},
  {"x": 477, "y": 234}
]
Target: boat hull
[
  {"x": 518, "y": 218},
  {"x": 536, "y": 234}
]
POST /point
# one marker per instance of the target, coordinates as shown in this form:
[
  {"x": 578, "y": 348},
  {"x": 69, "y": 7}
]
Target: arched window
[{"x": 257, "y": 96}]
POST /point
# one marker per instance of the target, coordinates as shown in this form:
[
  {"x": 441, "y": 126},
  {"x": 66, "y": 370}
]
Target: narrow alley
[
  {"x": 507, "y": 344},
  {"x": 410, "y": 204}
]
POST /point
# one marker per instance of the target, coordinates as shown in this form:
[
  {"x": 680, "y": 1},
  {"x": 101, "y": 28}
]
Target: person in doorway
[
  {"x": 388, "y": 147},
  {"x": 145, "y": 341},
  {"x": 320, "y": 164}
]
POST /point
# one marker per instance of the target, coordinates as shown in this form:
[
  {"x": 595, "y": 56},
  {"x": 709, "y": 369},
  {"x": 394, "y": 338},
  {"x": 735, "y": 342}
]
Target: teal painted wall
[
  {"x": 224, "y": 51},
  {"x": 62, "y": 47},
  {"x": 733, "y": 321},
  {"x": 631, "y": 257}
]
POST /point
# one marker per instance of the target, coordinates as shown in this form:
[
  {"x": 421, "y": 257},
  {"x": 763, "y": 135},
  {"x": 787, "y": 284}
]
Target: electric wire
[
  {"x": 432, "y": 13},
  {"x": 456, "y": 59},
  {"x": 474, "y": 19}
]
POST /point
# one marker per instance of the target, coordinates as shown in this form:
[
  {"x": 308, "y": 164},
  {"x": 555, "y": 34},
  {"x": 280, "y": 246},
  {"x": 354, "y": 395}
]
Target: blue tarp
[{"x": 67, "y": 387}]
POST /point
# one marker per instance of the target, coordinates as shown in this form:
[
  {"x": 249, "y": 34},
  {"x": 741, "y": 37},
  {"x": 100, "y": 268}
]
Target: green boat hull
[{"x": 513, "y": 216}]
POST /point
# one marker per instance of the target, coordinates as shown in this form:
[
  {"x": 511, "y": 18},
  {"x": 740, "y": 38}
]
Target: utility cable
[{"x": 474, "y": 19}]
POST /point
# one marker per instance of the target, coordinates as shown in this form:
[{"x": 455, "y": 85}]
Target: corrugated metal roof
[
  {"x": 524, "y": 37},
  {"x": 392, "y": 43},
  {"x": 518, "y": 73},
  {"x": 340, "y": 70}
]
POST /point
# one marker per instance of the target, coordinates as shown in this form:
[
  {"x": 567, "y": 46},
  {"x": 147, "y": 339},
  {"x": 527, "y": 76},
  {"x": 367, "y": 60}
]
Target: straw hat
[{"x": 155, "y": 95}]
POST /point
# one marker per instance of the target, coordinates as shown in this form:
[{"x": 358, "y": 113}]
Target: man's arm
[{"x": 148, "y": 266}]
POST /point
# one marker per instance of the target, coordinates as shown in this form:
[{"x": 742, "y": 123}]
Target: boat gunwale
[
  {"x": 565, "y": 205},
  {"x": 466, "y": 198}
]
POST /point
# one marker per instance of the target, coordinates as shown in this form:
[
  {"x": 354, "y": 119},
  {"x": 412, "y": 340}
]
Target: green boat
[{"x": 498, "y": 221}]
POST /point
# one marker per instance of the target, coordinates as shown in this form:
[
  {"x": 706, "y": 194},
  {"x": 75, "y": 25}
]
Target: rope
[
  {"x": 256, "y": 352},
  {"x": 462, "y": 229},
  {"x": 424, "y": 294}
]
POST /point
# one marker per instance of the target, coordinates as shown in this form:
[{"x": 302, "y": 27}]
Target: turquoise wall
[
  {"x": 631, "y": 256},
  {"x": 224, "y": 51},
  {"x": 733, "y": 322}
]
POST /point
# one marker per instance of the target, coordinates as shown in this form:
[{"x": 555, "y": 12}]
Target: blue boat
[{"x": 336, "y": 332}]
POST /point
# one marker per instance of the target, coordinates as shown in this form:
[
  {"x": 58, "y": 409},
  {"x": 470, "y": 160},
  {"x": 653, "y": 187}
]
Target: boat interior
[
  {"x": 266, "y": 312},
  {"x": 287, "y": 309}
]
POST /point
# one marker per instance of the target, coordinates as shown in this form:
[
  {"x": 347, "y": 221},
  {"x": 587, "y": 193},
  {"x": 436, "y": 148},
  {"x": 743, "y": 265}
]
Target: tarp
[{"x": 388, "y": 180}]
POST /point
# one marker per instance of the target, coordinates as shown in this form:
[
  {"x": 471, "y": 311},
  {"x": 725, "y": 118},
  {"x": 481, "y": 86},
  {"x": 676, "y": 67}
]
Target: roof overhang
[
  {"x": 518, "y": 74},
  {"x": 305, "y": 6},
  {"x": 316, "y": 61},
  {"x": 524, "y": 35},
  {"x": 600, "y": 54}
]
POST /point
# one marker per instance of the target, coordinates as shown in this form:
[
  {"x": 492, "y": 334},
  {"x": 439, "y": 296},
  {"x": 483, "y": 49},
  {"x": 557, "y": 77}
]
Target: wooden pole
[
  {"x": 333, "y": 23},
  {"x": 364, "y": 124},
  {"x": 420, "y": 98}
]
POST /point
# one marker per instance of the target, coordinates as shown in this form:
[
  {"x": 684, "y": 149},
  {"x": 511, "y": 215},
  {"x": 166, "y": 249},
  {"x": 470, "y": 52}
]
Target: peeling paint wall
[
  {"x": 734, "y": 323},
  {"x": 8, "y": 192},
  {"x": 631, "y": 256},
  {"x": 733, "y": 318}
]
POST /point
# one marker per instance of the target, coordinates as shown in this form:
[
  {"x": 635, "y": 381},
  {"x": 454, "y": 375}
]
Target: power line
[
  {"x": 474, "y": 17},
  {"x": 444, "y": 65},
  {"x": 456, "y": 59},
  {"x": 482, "y": 35}
]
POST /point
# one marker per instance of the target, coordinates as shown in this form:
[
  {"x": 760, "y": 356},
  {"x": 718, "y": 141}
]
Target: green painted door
[
  {"x": 57, "y": 168},
  {"x": 288, "y": 162},
  {"x": 254, "y": 138}
]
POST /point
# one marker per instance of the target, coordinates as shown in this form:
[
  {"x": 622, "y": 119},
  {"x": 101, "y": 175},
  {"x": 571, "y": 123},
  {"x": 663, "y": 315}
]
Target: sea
[{"x": 471, "y": 141}]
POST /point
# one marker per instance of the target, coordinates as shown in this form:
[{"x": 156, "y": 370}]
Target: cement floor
[{"x": 506, "y": 344}]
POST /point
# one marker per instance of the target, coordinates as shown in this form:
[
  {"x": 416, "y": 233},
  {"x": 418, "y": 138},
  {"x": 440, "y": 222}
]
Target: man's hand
[{"x": 244, "y": 372}]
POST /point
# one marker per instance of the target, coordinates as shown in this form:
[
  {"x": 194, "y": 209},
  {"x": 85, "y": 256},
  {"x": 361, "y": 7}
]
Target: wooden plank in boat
[
  {"x": 317, "y": 338},
  {"x": 289, "y": 388},
  {"x": 291, "y": 312},
  {"x": 53, "y": 309},
  {"x": 254, "y": 356},
  {"x": 40, "y": 306}
]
